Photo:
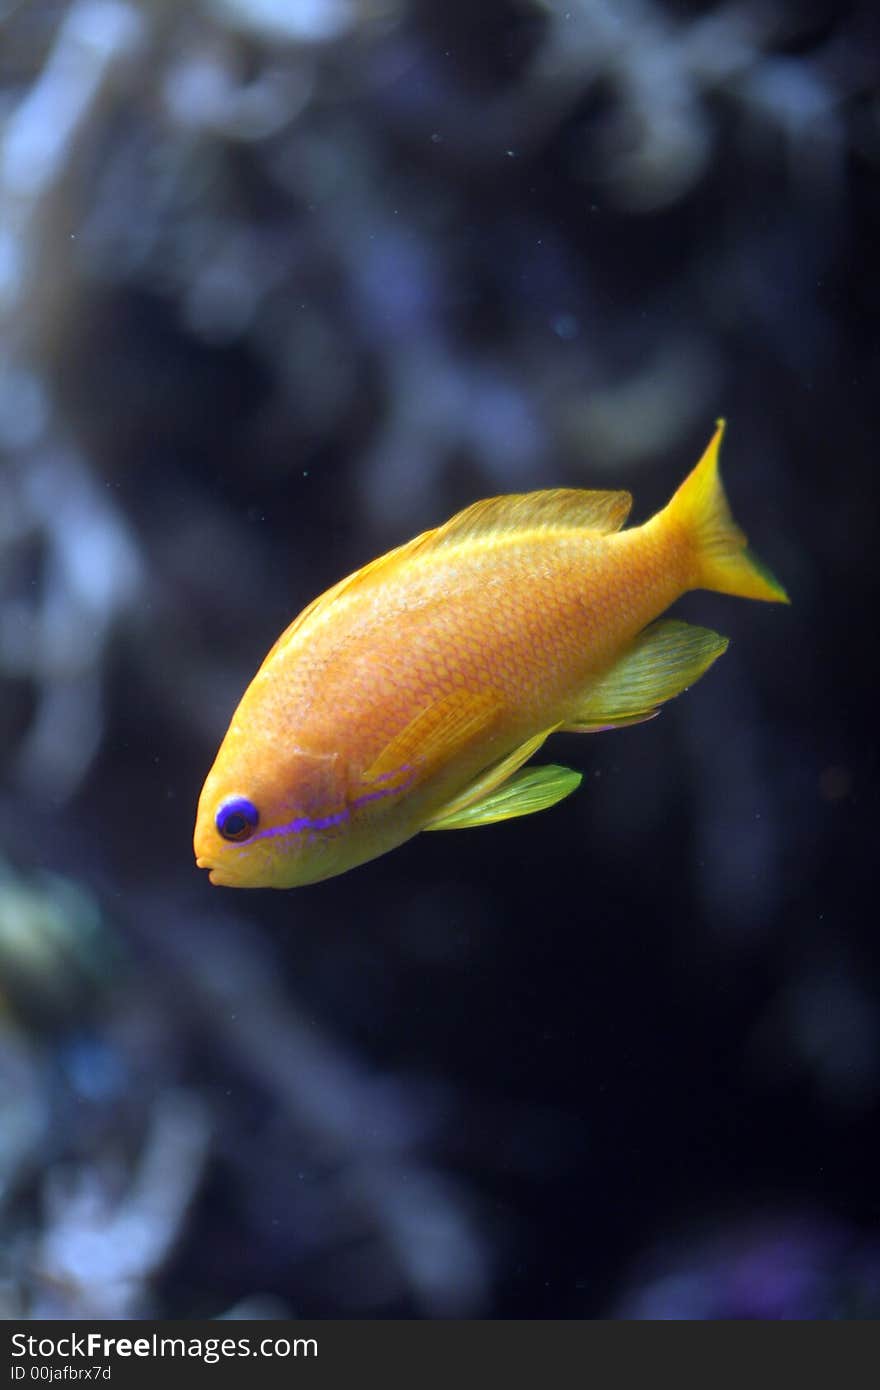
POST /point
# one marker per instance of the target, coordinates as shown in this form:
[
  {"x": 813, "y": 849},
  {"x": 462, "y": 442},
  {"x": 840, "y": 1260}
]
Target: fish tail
[{"x": 722, "y": 560}]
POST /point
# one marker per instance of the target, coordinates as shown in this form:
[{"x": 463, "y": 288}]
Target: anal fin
[{"x": 664, "y": 660}]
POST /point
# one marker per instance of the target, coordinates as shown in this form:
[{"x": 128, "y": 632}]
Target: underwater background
[{"x": 281, "y": 284}]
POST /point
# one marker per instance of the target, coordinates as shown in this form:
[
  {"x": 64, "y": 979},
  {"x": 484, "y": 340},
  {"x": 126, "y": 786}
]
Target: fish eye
[{"x": 237, "y": 818}]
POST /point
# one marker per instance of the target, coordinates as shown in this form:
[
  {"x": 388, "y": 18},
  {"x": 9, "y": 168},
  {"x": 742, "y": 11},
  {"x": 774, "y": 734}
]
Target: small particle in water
[
  {"x": 511, "y": 154},
  {"x": 305, "y": 472},
  {"x": 436, "y": 138},
  {"x": 566, "y": 327}
]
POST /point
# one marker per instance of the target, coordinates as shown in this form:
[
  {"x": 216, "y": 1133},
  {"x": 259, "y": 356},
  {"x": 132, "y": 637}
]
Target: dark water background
[{"x": 280, "y": 285}]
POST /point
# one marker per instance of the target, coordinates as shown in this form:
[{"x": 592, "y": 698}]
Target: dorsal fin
[{"x": 560, "y": 509}]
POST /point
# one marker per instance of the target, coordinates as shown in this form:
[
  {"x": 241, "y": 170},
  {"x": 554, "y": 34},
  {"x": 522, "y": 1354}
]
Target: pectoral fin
[
  {"x": 436, "y": 733},
  {"x": 532, "y": 790},
  {"x": 662, "y": 662}
]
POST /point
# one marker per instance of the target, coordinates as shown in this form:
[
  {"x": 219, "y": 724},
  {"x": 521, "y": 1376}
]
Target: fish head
[{"x": 268, "y": 818}]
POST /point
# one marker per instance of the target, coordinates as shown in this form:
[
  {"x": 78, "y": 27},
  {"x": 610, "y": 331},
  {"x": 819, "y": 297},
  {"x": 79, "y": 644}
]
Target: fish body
[{"x": 410, "y": 695}]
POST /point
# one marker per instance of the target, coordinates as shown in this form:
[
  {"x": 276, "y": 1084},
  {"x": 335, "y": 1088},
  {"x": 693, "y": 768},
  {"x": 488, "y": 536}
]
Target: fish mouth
[{"x": 215, "y": 875}]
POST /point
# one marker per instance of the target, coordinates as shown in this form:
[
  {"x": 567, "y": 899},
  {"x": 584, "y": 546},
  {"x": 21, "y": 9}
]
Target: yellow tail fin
[{"x": 723, "y": 561}]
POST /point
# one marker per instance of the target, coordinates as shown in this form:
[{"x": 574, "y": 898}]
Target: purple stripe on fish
[
  {"x": 304, "y": 823},
  {"x": 301, "y": 823},
  {"x": 384, "y": 776},
  {"x": 385, "y": 791},
  {"x": 378, "y": 796}
]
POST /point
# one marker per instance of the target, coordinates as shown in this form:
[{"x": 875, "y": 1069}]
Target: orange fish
[{"x": 409, "y": 696}]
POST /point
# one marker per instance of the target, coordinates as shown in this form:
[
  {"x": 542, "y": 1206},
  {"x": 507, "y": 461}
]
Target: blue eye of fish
[{"x": 237, "y": 818}]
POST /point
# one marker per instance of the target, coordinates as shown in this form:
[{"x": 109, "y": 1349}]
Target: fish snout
[
  {"x": 203, "y": 862},
  {"x": 217, "y": 875}
]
